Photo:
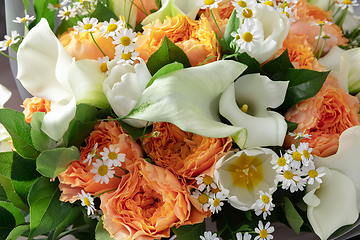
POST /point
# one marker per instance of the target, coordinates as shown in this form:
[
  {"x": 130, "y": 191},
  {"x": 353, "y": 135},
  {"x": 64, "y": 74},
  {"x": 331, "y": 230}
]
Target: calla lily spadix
[
  {"x": 47, "y": 71},
  {"x": 256, "y": 93},
  {"x": 189, "y": 98},
  {"x": 336, "y": 201}
]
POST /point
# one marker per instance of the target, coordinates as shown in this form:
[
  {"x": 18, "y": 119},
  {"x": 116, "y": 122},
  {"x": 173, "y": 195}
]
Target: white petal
[
  {"x": 332, "y": 59},
  {"x": 5, "y": 95},
  {"x": 350, "y": 70}
]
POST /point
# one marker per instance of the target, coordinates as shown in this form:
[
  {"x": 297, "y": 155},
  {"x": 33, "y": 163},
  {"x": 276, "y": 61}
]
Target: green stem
[
  {"x": 322, "y": 48},
  {"x": 92, "y": 36},
  {"x": 8, "y": 56},
  {"x": 128, "y": 25},
  {"x": 206, "y": 60},
  {"x": 124, "y": 14},
  {"x": 126, "y": 171},
  {"x": 341, "y": 19},
  {"x": 218, "y": 27},
  {"x": 104, "y": 192},
  {"x": 139, "y": 7},
  {"x": 117, "y": 176},
  {"x": 330, "y": 6},
  {"x": 318, "y": 40},
  {"x": 144, "y": 7},
  {"x": 142, "y": 139}
]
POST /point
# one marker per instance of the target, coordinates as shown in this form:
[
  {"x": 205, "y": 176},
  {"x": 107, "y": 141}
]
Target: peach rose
[
  {"x": 183, "y": 153},
  {"x": 78, "y": 177},
  {"x": 147, "y": 203},
  {"x": 325, "y": 116},
  {"x": 195, "y": 37},
  {"x": 82, "y": 46},
  {"x": 35, "y": 104}
]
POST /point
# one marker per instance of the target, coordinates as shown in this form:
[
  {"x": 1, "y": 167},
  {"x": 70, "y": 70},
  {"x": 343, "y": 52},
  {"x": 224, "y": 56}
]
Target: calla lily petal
[
  {"x": 332, "y": 59},
  {"x": 350, "y": 70},
  {"x": 333, "y": 205},
  {"x": 265, "y": 128},
  {"x": 5, "y": 95},
  {"x": 189, "y": 98}
]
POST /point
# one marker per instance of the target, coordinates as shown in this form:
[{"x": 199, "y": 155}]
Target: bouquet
[{"x": 155, "y": 119}]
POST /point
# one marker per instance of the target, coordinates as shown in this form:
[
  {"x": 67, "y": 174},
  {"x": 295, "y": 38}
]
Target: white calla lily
[
  {"x": 5, "y": 95},
  {"x": 173, "y": 8},
  {"x": 243, "y": 174},
  {"x": 123, "y": 88},
  {"x": 47, "y": 71},
  {"x": 189, "y": 98},
  {"x": 350, "y": 70},
  {"x": 332, "y": 59},
  {"x": 265, "y": 128}
]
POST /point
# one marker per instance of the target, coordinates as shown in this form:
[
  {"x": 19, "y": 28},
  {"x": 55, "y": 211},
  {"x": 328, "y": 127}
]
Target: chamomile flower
[
  {"x": 86, "y": 25},
  {"x": 209, "y": 236},
  {"x": 321, "y": 23},
  {"x": 281, "y": 164},
  {"x": 247, "y": 14},
  {"x": 264, "y": 232},
  {"x": 205, "y": 181},
  {"x": 269, "y": 3},
  {"x": 110, "y": 29},
  {"x": 314, "y": 174},
  {"x": 67, "y": 13},
  {"x": 9, "y": 41},
  {"x": 265, "y": 201},
  {"x": 287, "y": 11},
  {"x": 54, "y": 7},
  {"x": 25, "y": 19},
  {"x": 216, "y": 202},
  {"x": 249, "y": 37},
  {"x": 203, "y": 4},
  {"x": 325, "y": 35},
  {"x": 91, "y": 154},
  {"x": 239, "y": 236},
  {"x": 128, "y": 58},
  {"x": 265, "y": 213},
  {"x": 241, "y": 4},
  {"x": 103, "y": 171},
  {"x": 87, "y": 201},
  {"x": 203, "y": 198},
  {"x": 300, "y": 156},
  {"x": 300, "y": 135},
  {"x": 289, "y": 179},
  {"x": 346, "y": 3},
  {"x": 96, "y": 215},
  {"x": 112, "y": 156},
  {"x": 103, "y": 64},
  {"x": 126, "y": 40}
]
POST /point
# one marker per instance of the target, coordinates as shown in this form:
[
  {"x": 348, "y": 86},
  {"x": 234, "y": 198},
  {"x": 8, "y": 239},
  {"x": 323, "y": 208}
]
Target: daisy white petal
[
  {"x": 203, "y": 4},
  {"x": 87, "y": 201},
  {"x": 103, "y": 171}
]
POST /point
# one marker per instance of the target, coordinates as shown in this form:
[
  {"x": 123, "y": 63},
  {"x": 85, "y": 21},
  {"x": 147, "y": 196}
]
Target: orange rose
[
  {"x": 78, "y": 177},
  {"x": 148, "y": 202},
  {"x": 195, "y": 38},
  {"x": 35, "y": 104},
  {"x": 82, "y": 46},
  {"x": 325, "y": 116}
]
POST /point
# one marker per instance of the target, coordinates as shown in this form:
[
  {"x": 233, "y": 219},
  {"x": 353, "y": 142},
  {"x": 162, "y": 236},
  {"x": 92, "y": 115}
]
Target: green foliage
[
  {"x": 18, "y": 216},
  {"x": 232, "y": 26},
  {"x": 291, "y": 126},
  {"x": 11, "y": 195},
  {"x": 167, "y": 53},
  {"x": 134, "y": 132},
  {"x": 103, "y": 13},
  {"x": 171, "y": 67},
  {"x": 42, "y": 11},
  {"x": 40, "y": 140},
  {"x": 189, "y": 232},
  {"x": 278, "y": 65},
  {"x": 253, "y": 65},
  {"x": 7, "y": 222},
  {"x": 74, "y": 215},
  {"x": 65, "y": 25},
  {"x": 293, "y": 217},
  {"x": 18, "y": 231},
  {"x": 101, "y": 233}
]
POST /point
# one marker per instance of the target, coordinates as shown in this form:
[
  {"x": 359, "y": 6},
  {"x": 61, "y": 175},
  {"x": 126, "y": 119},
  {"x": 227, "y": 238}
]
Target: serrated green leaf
[
  {"x": 189, "y": 232},
  {"x": 165, "y": 70},
  {"x": 17, "y": 231},
  {"x": 18, "y": 216},
  {"x": 7, "y": 222},
  {"x": 103, "y": 13},
  {"x": 42, "y": 11},
  {"x": 19, "y": 130},
  {"x": 40, "y": 140},
  {"x": 101, "y": 233},
  {"x": 167, "y": 53},
  {"x": 51, "y": 163},
  {"x": 253, "y": 65},
  {"x": 46, "y": 210},
  {"x": 303, "y": 84},
  {"x": 293, "y": 217},
  {"x": 279, "y": 64}
]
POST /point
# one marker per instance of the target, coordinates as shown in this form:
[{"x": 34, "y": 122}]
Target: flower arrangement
[{"x": 149, "y": 117}]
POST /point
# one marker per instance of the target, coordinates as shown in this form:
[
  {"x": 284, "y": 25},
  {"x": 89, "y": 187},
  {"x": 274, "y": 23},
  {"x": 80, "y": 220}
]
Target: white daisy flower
[
  {"x": 346, "y": 3},
  {"x": 249, "y": 37},
  {"x": 240, "y": 5},
  {"x": 110, "y": 29},
  {"x": 209, "y": 236},
  {"x": 67, "y": 13},
  {"x": 264, "y": 232},
  {"x": 86, "y": 25},
  {"x": 289, "y": 179},
  {"x": 127, "y": 58},
  {"x": 281, "y": 163},
  {"x": 216, "y": 202},
  {"x": 239, "y": 236},
  {"x": 259, "y": 211},
  {"x": 247, "y": 14},
  {"x": 325, "y": 35},
  {"x": 300, "y": 156},
  {"x": 269, "y": 3},
  {"x": 25, "y": 19},
  {"x": 96, "y": 215},
  {"x": 321, "y": 23},
  {"x": 103, "y": 64},
  {"x": 54, "y": 7},
  {"x": 287, "y": 11},
  {"x": 91, "y": 154},
  {"x": 103, "y": 171},
  {"x": 265, "y": 201},
  {"x": 203, "y": 4},
  {"x": 314, "y": 174},
  {"x": 300, "y": 135},
  {"x": 9, "y": 41},
  {"x": 112, "y": 156},
  {"x": 87, "y": 201},
  {"x": 126, "y": 40},
  {"x": 203, "y": 198},
  {"x": 205, "y": 181}
]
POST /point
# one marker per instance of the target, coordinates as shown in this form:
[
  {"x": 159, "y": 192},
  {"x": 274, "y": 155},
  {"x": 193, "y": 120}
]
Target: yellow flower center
[
  {"x": 102, "y": 170},
  {"x": 237, "y": 37},
  {"x": 269, "y": 3},
  {"x": 296, "y": 156},
  {"x": 281, "y": 161},
  {"x": 286, "y": 13},
  {"x": 203, "y": 199},
  {"x": 263, "y": 233},
  {"x": 215, "y": 190},
  {"x": 112, "y": 27},
  {"x": 347, "y": 2},
  {"x": 207, "y": 180},
  {"x": 103, "y": 67},
  {"x": 8, "y": 43},
  {"x": 67, "y": 13},
  {"x": 92, "y": 152},
  {"x": 57, "y": 5},
  {"x": 284, "y": 5},
  {"x": 265, "y": 199},
  {"x": 242, "y": 4},
  {"x": 321, "y": 22},
  {"x": 288, "y": 175},
  {"x": 126, "y": 56},
  {"x": 247, "y": 13},
  {"x": 209, "y": 2},
  {"x": 245, "y": 107},
  {"x": 313, "y": 173},
  {"x": 125, "y": 40},
  {"x": 88, "y": 26},
  {"x": 248, "y": 37},
  {"x": 87, "y": 201},
  {"x": 263, "y": 209},
  {"x": 306, "y": 154},
  {"x": 112, "y": 155},
  {"x": 216, "y": 202}
]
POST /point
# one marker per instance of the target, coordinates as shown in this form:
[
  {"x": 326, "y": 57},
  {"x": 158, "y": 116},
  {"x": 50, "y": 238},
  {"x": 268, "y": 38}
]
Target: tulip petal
[
  {"x": 265, "y": 128},
  {"x": 189, "y": 98},
  {"x": 350, "y": 70},
  {"x": 41, "y": 61},
  {"x": 337, "y": 208}
]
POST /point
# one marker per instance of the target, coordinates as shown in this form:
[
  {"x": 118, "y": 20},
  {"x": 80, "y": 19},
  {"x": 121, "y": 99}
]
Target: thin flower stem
[
  {"x": 128, "y": 24},
  {"x": 218, "y": 26},
  {"x": 317, "y": 43},
  {"x": 322, "y": 48},
  {"x": 92, "y": 36},
  {"x": 126, "y": 171},
  {"x": 104, "y": 192},
  {"x": 116, "y": 176},
  {"x": 206, "y": 60},
  {"x": 98, "y": 157},
  {"x": 330, "y": 6},
  {"x": 144, "y": 7},
  {"x": 8, "y": 56},
  {"x": 124, "y": 14},
  {"x": 139, "y": 7}
]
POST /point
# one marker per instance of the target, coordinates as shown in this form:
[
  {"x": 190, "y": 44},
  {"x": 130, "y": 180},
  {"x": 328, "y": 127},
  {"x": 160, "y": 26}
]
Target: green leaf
[
  {"x": 253, "y": 65},
  {"x": 303, "y": 84},
  {"x": 189, "y": 232},
  {"x": 11, "y": 194},
  {"x": 231, "y": 26},
  {"x": 7, "y": 222},
  {"x": 46, "y": 210},
  {"x": 74, "y": 215},
  {"x": 291, "y": 126},
  {"x": 18, "y": 216},
  {"x": 277, "y": 65},
  {"x": 65, "y": 25},
  {"x": 103, "y": 13},
  {"x": 51, "y": 163},
  {"x": 40, "y": 140},
  {"x": 134, "y": 132},
  {"x": 18, "y": 231},
  {"x": 6, "y": 159},
  {"x": 3, "y": 196},
  {"x": 167, "y": 53},
  {"x": 165, "y": 70},
  {"x": 15, "y": 124},
  {"x": 293, "y": 217},
  {"x": 101, "y": 233},
  {"x": 42, "y": 11},
  {"x": 26, "y": 4}
]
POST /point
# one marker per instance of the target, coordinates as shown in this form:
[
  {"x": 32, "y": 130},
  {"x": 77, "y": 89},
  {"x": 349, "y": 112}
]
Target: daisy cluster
[{"x": 69, "y": 8}]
